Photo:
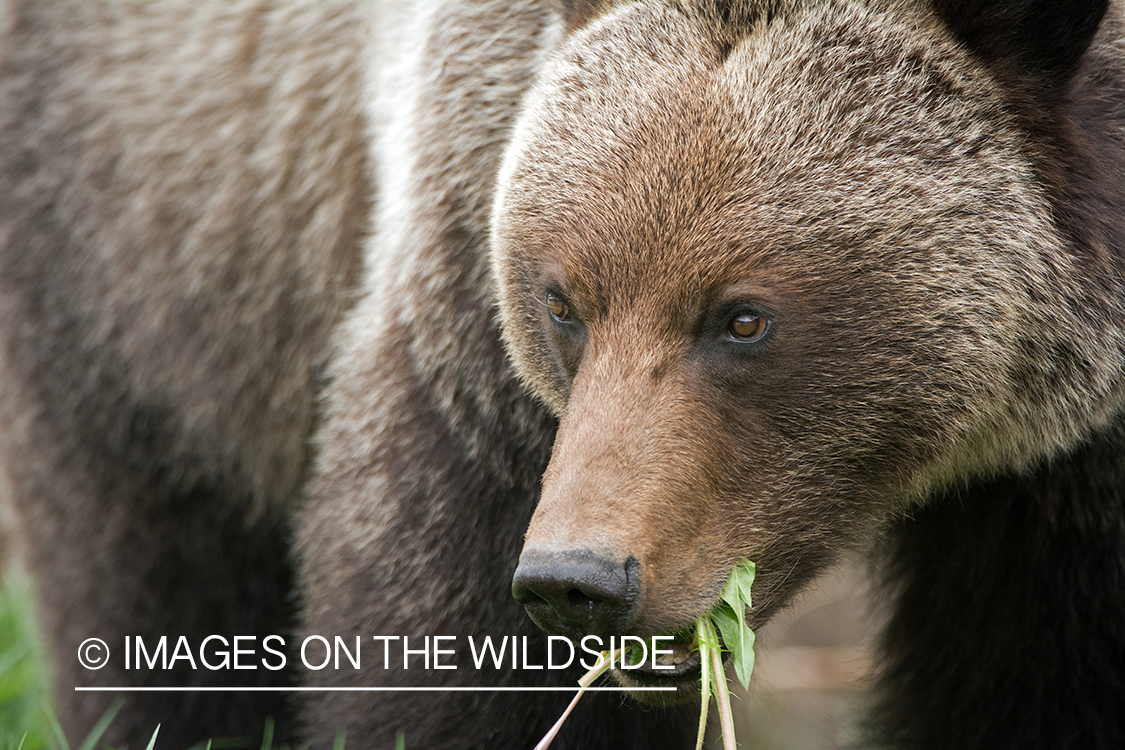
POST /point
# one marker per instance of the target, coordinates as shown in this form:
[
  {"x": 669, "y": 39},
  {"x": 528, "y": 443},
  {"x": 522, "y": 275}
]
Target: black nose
[{"x": 578, "y": 592}]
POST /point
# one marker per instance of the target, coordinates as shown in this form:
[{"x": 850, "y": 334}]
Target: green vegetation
[
  {"x": 728, "y": 618},
  {"x": 26, "y": 721}
]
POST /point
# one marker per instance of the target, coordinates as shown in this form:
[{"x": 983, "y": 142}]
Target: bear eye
[
  {"x": 558, "y": 308},
  {"x": 747, "y": 327}
]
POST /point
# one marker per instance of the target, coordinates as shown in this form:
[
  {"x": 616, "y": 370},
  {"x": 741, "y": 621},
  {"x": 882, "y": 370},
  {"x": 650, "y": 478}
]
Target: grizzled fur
[
  {"x": 178, "y": 232},
  {"x": 252, "y": 379}
]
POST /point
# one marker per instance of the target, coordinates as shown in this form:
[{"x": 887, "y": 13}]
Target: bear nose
[{"x": 578, "y": 592}]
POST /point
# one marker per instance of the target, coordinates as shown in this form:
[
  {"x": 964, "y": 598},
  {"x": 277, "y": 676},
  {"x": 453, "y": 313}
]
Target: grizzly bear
[{"x": 341, "y": 319}]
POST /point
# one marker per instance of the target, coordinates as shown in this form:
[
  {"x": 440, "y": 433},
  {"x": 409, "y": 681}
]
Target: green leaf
[
  {"x": 730, "y": 618},
  {"x": 736, "y": 592}
]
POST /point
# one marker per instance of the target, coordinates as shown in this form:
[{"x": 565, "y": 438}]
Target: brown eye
[
  {"x": 559, "y": 310},
  {"x": 747, "y": 327}
]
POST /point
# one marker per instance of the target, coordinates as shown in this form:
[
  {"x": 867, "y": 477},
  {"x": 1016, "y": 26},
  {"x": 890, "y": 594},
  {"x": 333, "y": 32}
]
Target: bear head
[{"x": 781, "y": 270}]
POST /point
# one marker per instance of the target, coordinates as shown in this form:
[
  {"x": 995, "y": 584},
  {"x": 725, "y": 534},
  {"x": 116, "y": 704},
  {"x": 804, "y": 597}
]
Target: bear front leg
[
  {"x": 119, "y": 554},
  {"x": 1007, "y": 629}
]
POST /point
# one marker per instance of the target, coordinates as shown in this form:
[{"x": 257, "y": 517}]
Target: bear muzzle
[{"x": 578, "y": 592}]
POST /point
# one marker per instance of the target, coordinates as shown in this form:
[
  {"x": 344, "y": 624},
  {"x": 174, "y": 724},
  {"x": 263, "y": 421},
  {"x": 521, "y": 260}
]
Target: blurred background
[{"x": 812, "y": 665}]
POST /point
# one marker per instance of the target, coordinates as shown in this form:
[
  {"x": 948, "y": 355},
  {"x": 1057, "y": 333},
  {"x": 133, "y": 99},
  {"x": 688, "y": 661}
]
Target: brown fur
[
  {"x": 430, "y": 460},
  {"x": 179, "y": 226}
]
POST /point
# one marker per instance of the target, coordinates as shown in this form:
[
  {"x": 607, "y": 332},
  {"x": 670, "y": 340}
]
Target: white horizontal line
[{"x": 368, "y": 689}]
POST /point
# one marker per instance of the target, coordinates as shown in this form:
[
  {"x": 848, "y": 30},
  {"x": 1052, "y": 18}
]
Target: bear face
[{"x": 777, "y": 295}]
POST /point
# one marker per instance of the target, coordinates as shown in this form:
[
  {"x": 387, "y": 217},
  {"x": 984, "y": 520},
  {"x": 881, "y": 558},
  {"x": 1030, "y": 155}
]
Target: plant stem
[
  {"x": 603, "y": 665},
  {"x": 705, "y": 682},
  {"x": 722, "y": 694}
]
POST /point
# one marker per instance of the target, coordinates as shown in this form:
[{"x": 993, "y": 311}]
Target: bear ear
[{"x": 1044, "y": 38}]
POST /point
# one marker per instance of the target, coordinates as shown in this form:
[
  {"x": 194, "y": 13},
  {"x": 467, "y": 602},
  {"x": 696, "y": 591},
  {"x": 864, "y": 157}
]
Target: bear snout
[{"x": 578, "y": 592}]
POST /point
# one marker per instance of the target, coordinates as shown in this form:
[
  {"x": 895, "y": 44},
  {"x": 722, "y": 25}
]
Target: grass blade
[
  {"x": 96, "y": 733},
  {"x": 152, "y": 739},
  {"x": 267, "y": 734},
  {"x": 56, "y": 729}
]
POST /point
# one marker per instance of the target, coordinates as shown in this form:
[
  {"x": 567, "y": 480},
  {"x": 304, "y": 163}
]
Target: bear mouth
[{"x": 678, "y": 665}]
